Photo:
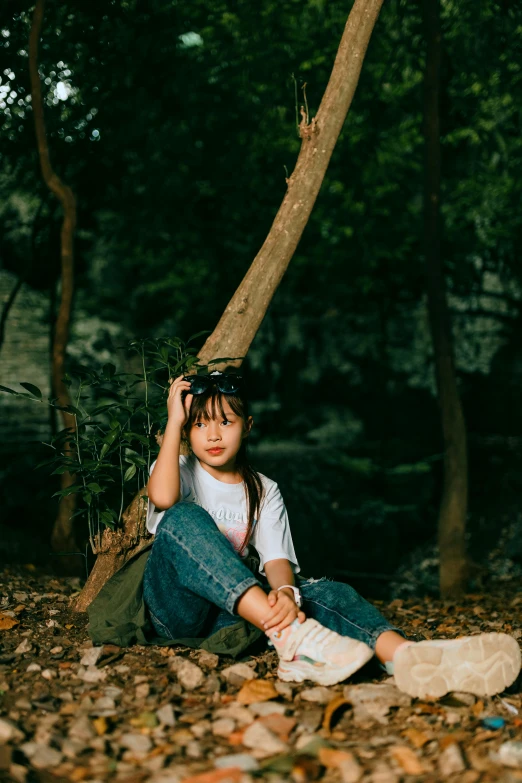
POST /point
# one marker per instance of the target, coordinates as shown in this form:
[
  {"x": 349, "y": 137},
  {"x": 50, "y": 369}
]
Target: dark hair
[{"x": 200, "y": 409}]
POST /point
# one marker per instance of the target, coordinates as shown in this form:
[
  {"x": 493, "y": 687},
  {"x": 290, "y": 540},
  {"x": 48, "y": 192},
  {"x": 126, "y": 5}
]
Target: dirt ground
[{"x": 72, "y": 712}]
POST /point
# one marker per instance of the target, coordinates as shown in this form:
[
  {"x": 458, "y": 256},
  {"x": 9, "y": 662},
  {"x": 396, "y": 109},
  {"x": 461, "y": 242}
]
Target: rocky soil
[{"x": 73, "y": 712}]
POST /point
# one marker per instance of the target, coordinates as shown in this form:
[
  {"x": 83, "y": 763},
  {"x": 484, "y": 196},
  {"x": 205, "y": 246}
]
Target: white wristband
[{"x": 296, "y": 591}]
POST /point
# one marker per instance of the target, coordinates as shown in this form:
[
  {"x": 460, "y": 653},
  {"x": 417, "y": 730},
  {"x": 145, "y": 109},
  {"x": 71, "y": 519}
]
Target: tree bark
[
  {"x": 62, "y": 536},
  {"x": 243, "y": 315},
  {"x": 453, "y": 509}
]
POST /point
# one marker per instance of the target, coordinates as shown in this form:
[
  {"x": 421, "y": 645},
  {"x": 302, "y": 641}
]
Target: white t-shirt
[{"x": 226, "y": 504}]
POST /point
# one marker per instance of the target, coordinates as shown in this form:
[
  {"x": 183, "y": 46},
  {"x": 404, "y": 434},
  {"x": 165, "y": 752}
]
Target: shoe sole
[
  {"x": 327, "y": 675},
  {"x": 482, "y": 665}
]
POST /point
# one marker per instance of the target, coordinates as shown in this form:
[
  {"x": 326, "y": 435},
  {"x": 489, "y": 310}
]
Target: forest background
[{"x": 175, "y": 126}]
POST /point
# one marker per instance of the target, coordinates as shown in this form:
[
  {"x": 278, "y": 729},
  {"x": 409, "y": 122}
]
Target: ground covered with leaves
[{"x": 73, "y": 712}]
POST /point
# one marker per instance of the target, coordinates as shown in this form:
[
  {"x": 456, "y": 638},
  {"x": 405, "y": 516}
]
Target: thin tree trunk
[
  {"x": 9, "y": 302},
  {"x": 246, "y": 310},
  {"x": 453, "y": 509},
  {"x": 244, "y": 313},
  {"x": 62, "y": 536}
]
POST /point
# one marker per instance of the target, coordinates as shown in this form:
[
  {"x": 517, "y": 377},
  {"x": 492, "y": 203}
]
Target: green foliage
[{"x": 110, "y": 449}]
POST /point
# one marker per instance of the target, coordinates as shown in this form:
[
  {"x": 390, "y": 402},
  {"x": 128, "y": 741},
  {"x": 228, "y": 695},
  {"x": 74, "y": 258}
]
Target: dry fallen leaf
[
  {"x": 6, "y": 622},
  {"x": 478, "y": 708},
  {"x": 406, "y": 758},
  {"x": 256, "y": 690},
  {"x": 329, "y": 757},
  {"x": 100, "y": 726},
  {"x": 331, "y": 708},
  {"x": 305, "y": 768},
  {"x": 233, "y": 774},
  {"x": 279, "y": 724},
  {"x": 417, "y": 738}
]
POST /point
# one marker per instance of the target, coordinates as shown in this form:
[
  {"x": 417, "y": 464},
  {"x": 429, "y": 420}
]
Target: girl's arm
[
  {"x": 279, "y": 572},
  {"x": 164, "y": 483}
]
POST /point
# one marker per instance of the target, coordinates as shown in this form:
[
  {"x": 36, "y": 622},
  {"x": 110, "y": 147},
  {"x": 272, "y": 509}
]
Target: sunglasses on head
[{"x": 228, "y": 383}]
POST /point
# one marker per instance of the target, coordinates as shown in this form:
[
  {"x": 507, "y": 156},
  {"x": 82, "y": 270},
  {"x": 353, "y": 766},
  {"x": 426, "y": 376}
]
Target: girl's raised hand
[
  {"x": 284, "y": 611},
  {"x": 178, "y": 407}
]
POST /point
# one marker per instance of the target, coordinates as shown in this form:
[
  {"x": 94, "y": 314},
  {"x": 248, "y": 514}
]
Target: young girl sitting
[{"x": 206, "y": 508}]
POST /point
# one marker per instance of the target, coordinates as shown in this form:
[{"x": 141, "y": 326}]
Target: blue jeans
[{"x": 194, "y": 578}]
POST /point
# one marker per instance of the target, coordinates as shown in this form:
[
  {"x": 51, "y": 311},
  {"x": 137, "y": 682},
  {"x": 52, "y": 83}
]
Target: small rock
[
  {"x": 201, "y": 728},
  {"x": 263, "y": 740},
  {"x": 48, "y": 674},
  {"x": 242, "y": 760},
  {"x": 236, "y": 712},
  {"x": 9, "y": 731},
  {"x": 383, "y": 774},
  {"x": 71, "y": 748},
  {"x": 165, "y": 715},
  {"x": 189, "y": 675},
  {"x": 223, "y": 727},
  {"x": 92, "y": 674},
  {"x": 466, "y": 698},
  {"x": 45, "y": 756},
  {"x": 319, "y": 695},
  {"x": 208, "y": 660},
  {"x": 238, "y": 673},
  {"x": 509, "y": 754},
  {"x": 142, "y": 690},
  {"x": 351, "y": 771},
  {"x": 122, "y": 668},
  {"x": 451, "y": 760},
  {"x": 137, "y": 743},
  {"x": 56, "y": 650},
  {"x": 34, "y": 667},
  {"x": 24, "y": 647},
  {"x": 310, "y": 719},
  {"x": 452, "y": 718},
  {"x": 104, "y": 707},
  {"x": 212, "y": 683},
  {"x": 194, "y": 750},
  {"x": 18, "y": 773},
  {"x": 372, "y": 702},
  {"x": 285, "y": 689},
  {"x": 182, "y": 737},
  {"x": 82, "y": 729},
  {"x": 23, "y": 704},
  {"x": 261, "y": 708},
  {"x": 112, "y": 692},
  {"x": 91, "y": 656}
]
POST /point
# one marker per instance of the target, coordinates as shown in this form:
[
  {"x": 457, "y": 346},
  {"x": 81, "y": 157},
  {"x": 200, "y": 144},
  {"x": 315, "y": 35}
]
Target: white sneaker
[
  {"x": 483, "y": 665},
  {"x": 313, "y": 652}
]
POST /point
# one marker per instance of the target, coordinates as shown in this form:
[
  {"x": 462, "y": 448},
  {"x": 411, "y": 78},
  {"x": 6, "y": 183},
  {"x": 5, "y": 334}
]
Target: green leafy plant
[{"x": 111, "y": 447}]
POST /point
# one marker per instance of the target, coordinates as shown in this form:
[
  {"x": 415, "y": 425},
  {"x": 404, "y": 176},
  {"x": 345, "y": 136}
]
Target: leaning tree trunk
[
  {"x": 62, "y": 536},
  {"x": 452, "y": 514},
  {"x": 245, "y": 311}
]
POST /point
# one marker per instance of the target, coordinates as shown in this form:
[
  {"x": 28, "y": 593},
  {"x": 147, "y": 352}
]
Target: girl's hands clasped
[
  {"x": 178, "y": 407},
  {"x": 284, "y": 611}
]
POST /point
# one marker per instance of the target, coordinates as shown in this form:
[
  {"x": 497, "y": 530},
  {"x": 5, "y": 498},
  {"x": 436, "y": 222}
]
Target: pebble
[
  {"x": 9, "y": 731},
  {"x": 142, "y": 690},
  {"x": 122, "y": 668},
  {"x": 194, "y": 750},
  {"x": 318, "y": 695},
  {"x": 236, "y": 712},
  {"x": 208, "y": 660},
  {"x": 201, "y": 728},
  {"x": 238, "y": 673},
  {"x": 92, "y": 674},
  {"x": 24, "y": 647},
  {"x": 261, "y": 708},
  {"x": 165, "y": 715},
  {"x": 91, "y": 656},
  {"x": 48, "y": 674},
  {"x": 137, "y": 743},
  {"x": 263, "y": 740},
  {"x": 244, "y": 761},
  {"x": 34, "y": 667},
  {"x": 383, "y": 774},
  {"x": 56, "y": 650},
  {"x": 112, "y": 692},
  {"x": 223, "y": 727},
  {"x": 45, "y": 756},
  {"x": 82, "y": 729},
  {"x": 189, "y": 675},
  {"x": 451, "y": 760},
  {"x": 285, "y": 689},
  {"x": 509, "y": 754}
]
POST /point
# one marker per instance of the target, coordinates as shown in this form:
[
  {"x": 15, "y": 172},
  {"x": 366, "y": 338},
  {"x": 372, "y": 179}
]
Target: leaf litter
[{"x": 70, "y": 711}]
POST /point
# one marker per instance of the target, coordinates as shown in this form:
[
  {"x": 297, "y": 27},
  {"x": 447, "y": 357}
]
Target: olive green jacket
[{"x": 118, "y": 615}]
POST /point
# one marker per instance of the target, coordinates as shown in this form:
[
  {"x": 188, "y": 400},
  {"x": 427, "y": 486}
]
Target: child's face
[{"x": 216, "y": 441}]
